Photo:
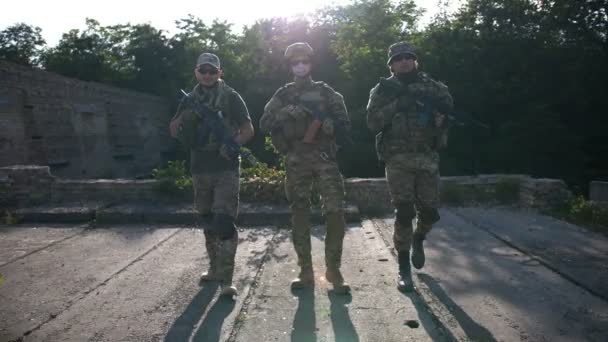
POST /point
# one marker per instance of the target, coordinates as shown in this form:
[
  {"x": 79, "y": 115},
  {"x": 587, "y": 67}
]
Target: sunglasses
[
  {"x": 300, "y": 61},
  {"x": 210, "y": 71},
  {"x": 402, "y": 57}
]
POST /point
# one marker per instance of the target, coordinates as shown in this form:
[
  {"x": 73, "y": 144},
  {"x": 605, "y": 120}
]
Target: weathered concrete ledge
[
  {"x": 26, "y": 186},
  {"x": 372, "y": 196},
  {"x": 182, "y": 214},
  {"x": 598, "y": 192},
  {"x": 111, "y": 190}
]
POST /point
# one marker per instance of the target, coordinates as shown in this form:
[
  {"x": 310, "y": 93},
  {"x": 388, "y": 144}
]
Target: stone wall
[
  {"x": 544, "y": 193},
  {"x": 25, "y": 185},
  {"x": 598, "y": 192},
  {"x": 371, "y": 195},
  {"x": 31, "y": 185},
  {"x": 79, "y": 129}
]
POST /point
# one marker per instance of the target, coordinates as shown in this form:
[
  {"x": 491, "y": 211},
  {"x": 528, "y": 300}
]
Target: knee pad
[
  {"x": 405, "y": 213},
  {"x": 429, "y": 215},
  {"x": 204, "y": 221},
  {"x": 210, "y": 234},
  {"x": 224, "y": 226}
]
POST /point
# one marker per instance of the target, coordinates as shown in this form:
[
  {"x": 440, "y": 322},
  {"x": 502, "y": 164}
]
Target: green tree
[
  {"x": 526, "y": 68},
  {"x": 21, "y": 43},
  {"x": 81, "y": 55}
]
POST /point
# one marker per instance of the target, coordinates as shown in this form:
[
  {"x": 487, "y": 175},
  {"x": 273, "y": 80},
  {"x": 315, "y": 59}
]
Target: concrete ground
[{"x": 491, "y": 275}]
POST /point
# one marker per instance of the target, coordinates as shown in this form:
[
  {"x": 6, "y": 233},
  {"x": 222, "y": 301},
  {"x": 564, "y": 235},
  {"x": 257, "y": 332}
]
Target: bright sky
[{"x": 56, "y": 17}]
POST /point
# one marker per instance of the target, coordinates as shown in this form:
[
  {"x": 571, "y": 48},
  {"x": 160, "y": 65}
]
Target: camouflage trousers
[
  {"x": 217, "y": 194},
  {"x": 305, "y": 167},
  {"x": 413, "y": 180}
]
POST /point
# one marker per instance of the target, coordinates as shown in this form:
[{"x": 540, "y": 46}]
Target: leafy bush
[
  {"x": 263, "y": 184},
  {"x": 581, "y": 211},
  {"x": 174, "y": 179},
  {"x": 10, "y": 218}
]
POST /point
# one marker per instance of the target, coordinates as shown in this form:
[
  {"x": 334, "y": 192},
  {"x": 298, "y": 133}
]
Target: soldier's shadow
[
  {"x": 304, "y": 322},
  {"x": 474, "y": 330},
  {"x": 344, "y": 330},
  {"x": 185, "y": 325},
  {"x": 211, "y": 328}
]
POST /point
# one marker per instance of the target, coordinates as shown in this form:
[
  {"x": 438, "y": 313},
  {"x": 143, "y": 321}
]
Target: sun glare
[{"x": 112, "y": 12}]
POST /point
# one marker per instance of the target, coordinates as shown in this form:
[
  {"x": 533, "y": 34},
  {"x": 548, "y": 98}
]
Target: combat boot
[
  {"x": 211, "y": 244},
  {"x": 334, "y": 276},
  {"x": 225, "y": 265},
  {"x": 305, "y": 279},
  {"x": 209, "y": 276},
  {"x": 301, "y": 243},
  {"x": 228, "y": 290},
  {"x": 418, "y": 257},
  {"x": 405, "y": 282}
]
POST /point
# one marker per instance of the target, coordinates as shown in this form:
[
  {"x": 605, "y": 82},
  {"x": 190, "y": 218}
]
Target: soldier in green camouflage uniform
[
  {"x": 289, "y": 117},
  {"x": 215, "y": 173},
  {"x": 407, "y": 112}
]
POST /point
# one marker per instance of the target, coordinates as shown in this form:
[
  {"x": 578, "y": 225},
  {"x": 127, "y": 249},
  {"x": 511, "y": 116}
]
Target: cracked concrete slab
[
  {"x": 576, "y": 253},
  {"x": 17, "y": 242},
  {"x": 159, "y": 297},
  {"x": 375, "y": 311},
  {"x": 485, "y": 290},
  {"x": 140, "y": 283},
  {"x": 42, "y": 285}
]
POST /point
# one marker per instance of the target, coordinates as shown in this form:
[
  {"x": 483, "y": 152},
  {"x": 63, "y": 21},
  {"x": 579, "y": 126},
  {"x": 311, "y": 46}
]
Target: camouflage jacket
[
  {"x": 286, "y": 118},
  {"x": 403, "y": 119}
]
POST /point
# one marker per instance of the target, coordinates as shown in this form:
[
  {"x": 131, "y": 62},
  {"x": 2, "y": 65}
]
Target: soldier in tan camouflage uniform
[
  {"x": 304, "y": 118},
  {"x": 215, "y": 173},
  {"x": 407, "y": 112}
]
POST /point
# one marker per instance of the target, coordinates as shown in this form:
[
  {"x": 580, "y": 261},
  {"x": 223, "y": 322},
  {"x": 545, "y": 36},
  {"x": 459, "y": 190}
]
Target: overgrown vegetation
[
  {"x": 587, "y": 213},
  {"x": 174, "y": 179},
  {"x": 259, "y": 183},
  {"x": 10, "y": 218},
  {"x": 263, "y": 184}
]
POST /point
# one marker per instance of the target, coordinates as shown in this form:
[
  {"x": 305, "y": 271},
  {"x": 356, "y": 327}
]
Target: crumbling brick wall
[{"x": 79, "y": 129}]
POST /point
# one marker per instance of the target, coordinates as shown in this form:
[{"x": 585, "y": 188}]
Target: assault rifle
[
  {"x": 427, "y": 106},
  {"x": 213, "y": 124},
  {"x": 314, "y": 102}
]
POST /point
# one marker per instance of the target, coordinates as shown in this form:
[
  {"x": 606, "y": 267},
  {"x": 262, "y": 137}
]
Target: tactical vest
[
  {"x": 292, "y": 131},
  {"x": 192, "y": 124},
  {"x": 410, "y": 131}
]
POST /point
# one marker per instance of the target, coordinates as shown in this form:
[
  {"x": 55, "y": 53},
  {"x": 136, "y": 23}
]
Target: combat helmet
[
  {"x": 401, "y": 48},
  {"x": 299, "y": 49}
]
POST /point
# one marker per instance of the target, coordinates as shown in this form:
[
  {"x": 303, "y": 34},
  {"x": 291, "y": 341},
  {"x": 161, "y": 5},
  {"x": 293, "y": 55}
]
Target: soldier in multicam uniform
[
  {"x": 288, "y": 117},
  {"x": 215, "y": 173},
  {"x": 408, "y": 141}
]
